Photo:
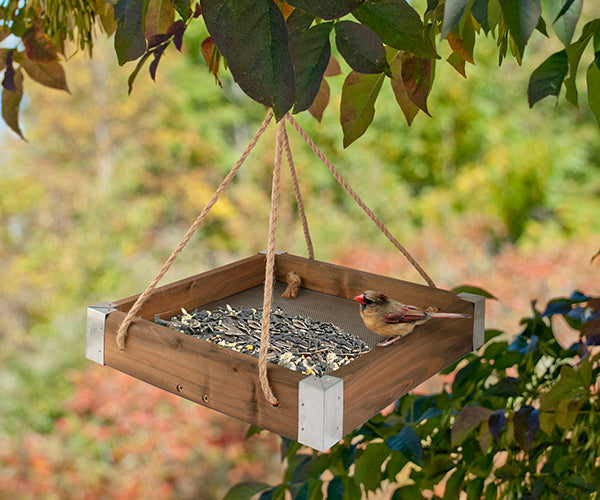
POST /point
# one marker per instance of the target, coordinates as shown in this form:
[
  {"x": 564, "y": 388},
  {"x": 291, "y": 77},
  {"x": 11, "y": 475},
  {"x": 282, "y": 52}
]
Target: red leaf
[
  {"x": 416, "y": 75},
  {"x": 10, "y": 104},
  {"x": 527, "y": 422},
  {"x": 333, "y": 68},
  {"x": 211, "y": 56},
  {"x": 38, "y": 45},
  {"x": 50, "y": 74},
  {"x": 4, "y": 32},
  {"x": 197, "y": 11},
  {"x": 459, "y": 47},
  {"x": 156, "y": 40},
  {"x": 321, "y": 101},
  {"x": 154, "y": 64},
  {"x": 9, "y": 75},
  {"x": 177, "y": 29},
  {"x": 4, "y": 55},
  {"x": 466, "y": 421},
  {"x": 409, "y": 109}
]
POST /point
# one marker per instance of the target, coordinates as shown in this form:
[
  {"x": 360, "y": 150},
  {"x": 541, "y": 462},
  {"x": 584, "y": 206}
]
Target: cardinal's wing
[{"x": 407, "y": 314}]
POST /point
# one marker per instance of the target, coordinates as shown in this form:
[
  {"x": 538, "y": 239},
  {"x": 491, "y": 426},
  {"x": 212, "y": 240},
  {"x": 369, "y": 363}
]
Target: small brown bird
[{"x": 390, "y": 318}]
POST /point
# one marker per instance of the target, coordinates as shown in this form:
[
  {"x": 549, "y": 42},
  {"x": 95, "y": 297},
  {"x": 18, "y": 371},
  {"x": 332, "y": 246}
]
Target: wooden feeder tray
[{"x": 315, "y": 411}]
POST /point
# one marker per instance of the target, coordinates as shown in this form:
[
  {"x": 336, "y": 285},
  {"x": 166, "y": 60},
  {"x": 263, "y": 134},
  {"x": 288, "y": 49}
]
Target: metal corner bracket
[
  {"x": 96, "y": 321},
  {"x": 478, "y": 317},
  {"x": 320, "y": 411}
]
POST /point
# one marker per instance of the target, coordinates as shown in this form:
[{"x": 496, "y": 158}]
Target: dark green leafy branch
[
  {"x": 278, "y": 52},
  {"x": 520, "y": 420}
]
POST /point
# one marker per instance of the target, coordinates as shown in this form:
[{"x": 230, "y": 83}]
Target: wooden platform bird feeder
[{"x": 315, "y": 411}]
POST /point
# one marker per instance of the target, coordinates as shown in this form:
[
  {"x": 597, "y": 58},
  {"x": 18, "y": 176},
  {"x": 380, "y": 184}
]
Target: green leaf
[
  {"x": 466, "y": 421},
  {"x": 335, "y": 489},
  {"x": 326, "y": 9},
  {"x": 568, "y": 386},
  {"x": 398, "y": 25},
  {"x": 454, "y": 484},
  {"x": 474, "y": 290},
  {"x": 458, "y": 63},
  {"x": 521, "y": 17},
  {"x": 564, "y": 19},
  {"x": 409, "y": 108},
  {"x": 10, "y": 104},
  {"x": 491, "y": 333},
  {"x": 311, "y": 489},
  {"x": 453, "y": 11},
  {"x": 593, "y": 90},
  {"x": 310, "y": 52},
  {"x": 105, "y": 12},
  {"x": 245, "y": 491},
  {"x": 417, "y": 77},
  {"x": 580, "y": 483},
  {"x": 183, "y": 8},
  {"x": 50, "y": 74},
  {"x": 159, "y": 16},
  {"x": 474, "y": 488},
  {"x": 491, "y": 491},
  {"x": 479, "y": 10},
  {"x": 408, "y": 442},
  {"x": 575, "y": 52},
  {"x": 130, "y": 42},
  {"x": 351, "y": 488},
  {"x": 357, "y": 107},
  {"x": 252, "y": 36},
  {"x": 137, "y": 69},
  {"x": 360, "y": 47},
  {"x": 408, "y": 492},
  {"x": 567, "y": 412},
  {"x": 368, "y": 465},
  {"x": 548, "y": 77},
  {"x": 506, "y": 387},
  {"x": 252, "y": 430}
]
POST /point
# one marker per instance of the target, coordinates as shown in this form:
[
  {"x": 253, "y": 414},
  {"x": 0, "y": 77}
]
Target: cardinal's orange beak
[{"x": 360, "y": 298}]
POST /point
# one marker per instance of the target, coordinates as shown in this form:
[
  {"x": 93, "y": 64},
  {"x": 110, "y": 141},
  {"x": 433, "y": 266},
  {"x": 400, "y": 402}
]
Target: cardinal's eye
[{"x": 367, "y": 301}]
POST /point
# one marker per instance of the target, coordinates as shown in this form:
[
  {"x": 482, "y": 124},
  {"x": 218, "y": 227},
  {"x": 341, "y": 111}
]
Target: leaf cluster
[
  {"x": 280, "y": 53},
  {"x": 520, "y": 420}
]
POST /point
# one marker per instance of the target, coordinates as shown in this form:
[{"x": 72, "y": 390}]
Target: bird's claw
[{"x": 389, "y": 341}]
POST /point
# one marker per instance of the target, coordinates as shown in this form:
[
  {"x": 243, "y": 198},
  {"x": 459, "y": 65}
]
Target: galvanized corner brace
[
  {"x": 94, "y": 341},
  {"x": 478, "y": 317},
  {"x": 320, "y": 411}
]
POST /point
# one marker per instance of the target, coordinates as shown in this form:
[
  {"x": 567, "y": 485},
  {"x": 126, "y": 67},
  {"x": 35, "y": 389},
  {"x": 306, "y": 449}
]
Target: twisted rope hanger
[
  {"x": 270, "y": 270},
  {"x": 358, "y": 200},
  {"x": 298, "y": 195},
  {"x": 141, "y": 300}
]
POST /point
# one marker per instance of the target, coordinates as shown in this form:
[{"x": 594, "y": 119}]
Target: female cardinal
[{"x": 390, "y": 318}]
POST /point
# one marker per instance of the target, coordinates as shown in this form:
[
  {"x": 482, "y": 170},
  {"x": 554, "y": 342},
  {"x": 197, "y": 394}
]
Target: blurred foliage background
[{"x": 487, "y": 192}]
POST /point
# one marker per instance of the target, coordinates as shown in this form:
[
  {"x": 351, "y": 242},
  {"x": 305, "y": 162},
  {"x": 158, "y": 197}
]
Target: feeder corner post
[
  {"x": 478, "y": 317},
  {"x": 96, "y": 323},
  {"x": 320, "y": 411}
]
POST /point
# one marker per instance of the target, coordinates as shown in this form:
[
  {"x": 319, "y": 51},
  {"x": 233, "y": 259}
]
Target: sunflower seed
[{"x": 296, "y": 342}]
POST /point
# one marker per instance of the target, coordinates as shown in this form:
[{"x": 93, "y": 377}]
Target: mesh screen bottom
[{"x": 343, "y": 313}]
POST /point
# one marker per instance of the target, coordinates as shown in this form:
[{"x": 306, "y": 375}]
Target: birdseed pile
[{"x": 297, "y": 342}]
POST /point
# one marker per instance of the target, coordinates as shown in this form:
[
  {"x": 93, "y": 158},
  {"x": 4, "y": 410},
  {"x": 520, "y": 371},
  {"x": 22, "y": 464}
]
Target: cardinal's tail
[{"x": 448, "y": 315}]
